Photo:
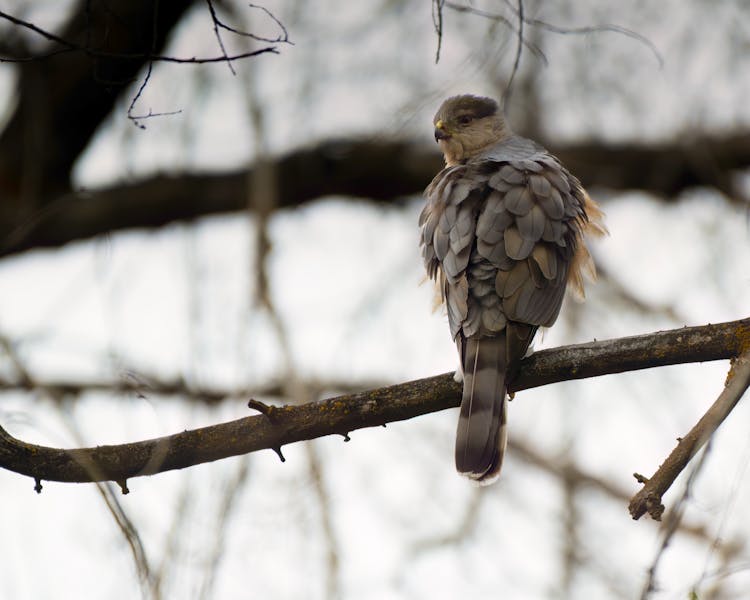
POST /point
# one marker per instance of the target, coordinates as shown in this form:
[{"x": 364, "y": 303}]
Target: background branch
[
  {"x": 68, "y": 87},
  {"x": 135, "y": 384},
  {"x": 63, "y": 99},
  {"x": 649, "y": 498},
  {"x": 288, "y": 424},
  {"x": 381, "y": 172}
]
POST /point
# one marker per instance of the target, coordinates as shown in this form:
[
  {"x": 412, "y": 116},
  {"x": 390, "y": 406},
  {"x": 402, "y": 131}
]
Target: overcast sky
[{"x": 346, "y": 279}]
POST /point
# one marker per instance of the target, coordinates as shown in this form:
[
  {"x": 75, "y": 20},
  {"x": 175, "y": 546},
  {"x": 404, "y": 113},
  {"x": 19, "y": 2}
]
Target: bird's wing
[
  {"x": 518, "y": 220},
  {"x": 529, "y": 228},
  {"x": 448, "y": 223}
]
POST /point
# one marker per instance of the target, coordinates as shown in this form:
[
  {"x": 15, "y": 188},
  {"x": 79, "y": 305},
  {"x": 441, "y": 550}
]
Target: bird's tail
[{"x": 482, "y": 433}]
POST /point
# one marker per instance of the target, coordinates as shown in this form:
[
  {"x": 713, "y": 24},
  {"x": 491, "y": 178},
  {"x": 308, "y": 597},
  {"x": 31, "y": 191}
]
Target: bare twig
[
  {"x": 149, "y": 58},
  {"x": 315, "y": 467},
  {"x": 229, "y": 503},
  {"x": 368, "y": 409},
  {"x": 217, "y": 23},
  {"x": 465, "y": 527},
  {"x": 625, "y": 294},
  {"x": 149, "y": 69},
  {"x": 131, "y": 535},
  {"x": 648, "y": 499},
  {"x": 105, "y": 488},
  {"x": 69, "y": 46},
  {"x": 24, "y": 377},
  {"x": 726, "y": 551},
  {"x": 38, "y": 30},
  {"x": 672, "y": 523},
  {"x": 567, "y": 471},
  {"x": 169, "y": 554},
  {"x": 517, "y": 60},
  {"x": 588, "y": 29},
  {"x": 607, "y": 27},
  {"x": 282, "y": 38},
  {"x": 203, "y": 61},
  {"x": 437, "y": 21},
  {"x": 462, "y": 8}
]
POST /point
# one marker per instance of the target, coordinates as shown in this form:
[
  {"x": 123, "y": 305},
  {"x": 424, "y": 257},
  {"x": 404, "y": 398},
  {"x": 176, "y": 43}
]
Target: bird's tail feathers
[{"x": 482, "y": 426}]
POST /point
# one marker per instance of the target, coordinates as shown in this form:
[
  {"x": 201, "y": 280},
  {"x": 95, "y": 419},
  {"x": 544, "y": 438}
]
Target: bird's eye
[{"x": 464, "y": 120}]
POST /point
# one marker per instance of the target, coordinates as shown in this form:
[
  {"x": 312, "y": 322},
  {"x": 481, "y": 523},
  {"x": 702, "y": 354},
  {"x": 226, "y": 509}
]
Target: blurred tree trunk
[
  {"x": 376, "y": 171},
  {"x": 62, "y": 99}
]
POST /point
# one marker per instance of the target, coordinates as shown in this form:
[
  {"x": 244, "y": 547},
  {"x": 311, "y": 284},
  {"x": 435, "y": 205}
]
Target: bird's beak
[{"x": 441, "y": 132}]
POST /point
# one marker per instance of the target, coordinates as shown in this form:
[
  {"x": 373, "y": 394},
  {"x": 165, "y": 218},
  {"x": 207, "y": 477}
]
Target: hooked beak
[{"x": 441, "y": 133}]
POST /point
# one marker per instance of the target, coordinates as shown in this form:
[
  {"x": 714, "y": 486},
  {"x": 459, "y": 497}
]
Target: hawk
[{"x": 502, "y": 235}]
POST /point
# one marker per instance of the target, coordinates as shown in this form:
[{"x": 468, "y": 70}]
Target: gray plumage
[{"x": 499, "y": 230}]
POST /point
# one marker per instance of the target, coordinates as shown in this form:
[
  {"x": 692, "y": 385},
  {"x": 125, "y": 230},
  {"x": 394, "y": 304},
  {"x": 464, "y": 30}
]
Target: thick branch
[
  {"x": 288, "y": 424},
  {"x": 377, "y": 171},
  {"x": 148, "y": 387},
  {"x": 62, "y": 100},
  {"x": 649, "y": 498}
]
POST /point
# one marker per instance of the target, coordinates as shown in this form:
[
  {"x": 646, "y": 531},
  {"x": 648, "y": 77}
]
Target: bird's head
[{"x": 466, "y": 125}]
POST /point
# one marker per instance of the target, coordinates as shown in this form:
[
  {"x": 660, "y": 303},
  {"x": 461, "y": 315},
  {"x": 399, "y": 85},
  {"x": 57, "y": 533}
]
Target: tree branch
[
  {"x": 648, "y": 500},
  {"x": 288, "y": 424},
  {"x": 68, "y": 46},
  {"x": 62, "y": 100},
  {"x": 134, "y": 384},
  {"x": 377, "y": 171},
  {"x": 66, "y": 89},
  {"x": 565, "y": 470},
  {"x": 560, "y": 29}
]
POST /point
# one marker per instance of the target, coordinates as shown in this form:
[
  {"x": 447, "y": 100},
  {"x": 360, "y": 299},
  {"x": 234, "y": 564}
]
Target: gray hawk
[{"x": 502, "y": 235}]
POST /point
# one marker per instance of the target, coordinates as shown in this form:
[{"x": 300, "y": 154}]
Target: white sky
[{"x": 345, "y": 279}]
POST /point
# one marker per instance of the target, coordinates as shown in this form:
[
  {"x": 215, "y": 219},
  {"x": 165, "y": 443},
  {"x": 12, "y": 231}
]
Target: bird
[{"x": 502, "y": 234}]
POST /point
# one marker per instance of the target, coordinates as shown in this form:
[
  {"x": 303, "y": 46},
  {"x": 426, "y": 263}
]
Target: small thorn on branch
[
  {"x": 277, "y": 450},
  {"x": 263, "y": 408},
  {"x": 37, "y": 485},
  {"x": 123, "y": 483},
  {"x": 640, "y": 478}
]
